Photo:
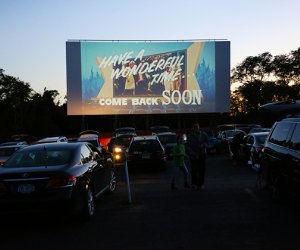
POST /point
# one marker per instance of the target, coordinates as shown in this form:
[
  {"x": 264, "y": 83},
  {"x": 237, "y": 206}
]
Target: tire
[
  {"x": 88, "y": 210},
  {"x": 112, "y": 182}
]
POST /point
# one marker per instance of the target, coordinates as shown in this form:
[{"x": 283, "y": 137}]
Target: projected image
[
  {"x": 148, "y": 77},
  {"x": 151, "y": 75}
]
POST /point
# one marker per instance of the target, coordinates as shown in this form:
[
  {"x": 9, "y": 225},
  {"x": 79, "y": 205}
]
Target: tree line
[{"x": 261, "y": 79}]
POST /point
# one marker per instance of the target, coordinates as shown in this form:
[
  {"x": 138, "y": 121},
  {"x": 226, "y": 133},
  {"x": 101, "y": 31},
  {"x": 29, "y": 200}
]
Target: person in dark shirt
[{"x": 197, "y": 142}]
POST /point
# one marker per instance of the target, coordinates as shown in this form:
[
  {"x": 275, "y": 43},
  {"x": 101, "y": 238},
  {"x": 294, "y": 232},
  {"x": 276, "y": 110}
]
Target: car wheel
[
  {"x": 89, "y": 205},
  {"x": 113, "y": 182}
]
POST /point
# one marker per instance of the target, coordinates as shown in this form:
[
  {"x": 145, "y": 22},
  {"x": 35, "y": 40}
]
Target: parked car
[
  {"x": 52, "y": 140},
  {"x": 226, "y": 137},
  {"x": 168, "y": 140},
  {"x": 159, "y": 129},
  {"x": 250, "y": 150},
  {"x": 281, "y": 159},
  {"x": 92, "y": 137},
  {"x": 7, "y": 150},
  {"x": 64, "y": 175},
  {"x": 214, "y": 143},
  {"x": 119, "y": 144},
  {"x": 125, "y": 130},
  {"x": 146, "y": 151},
  {"x": 118, "y": 147}
]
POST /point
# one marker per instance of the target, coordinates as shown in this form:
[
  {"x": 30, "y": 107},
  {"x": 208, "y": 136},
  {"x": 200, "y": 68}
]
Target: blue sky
[{"x": 34, "y": 32}]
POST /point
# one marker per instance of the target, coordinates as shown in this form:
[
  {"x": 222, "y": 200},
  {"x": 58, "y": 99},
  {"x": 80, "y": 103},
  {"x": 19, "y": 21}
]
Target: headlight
[{"x": 118, "y": 150}]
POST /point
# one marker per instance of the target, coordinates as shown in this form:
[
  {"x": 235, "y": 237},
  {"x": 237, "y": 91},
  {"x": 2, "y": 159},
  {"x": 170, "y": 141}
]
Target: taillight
[{"x": 61, "y": 182}]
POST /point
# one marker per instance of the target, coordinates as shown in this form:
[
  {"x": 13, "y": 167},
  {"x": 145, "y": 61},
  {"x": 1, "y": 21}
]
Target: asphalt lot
[{"x": 230, "y": 213}]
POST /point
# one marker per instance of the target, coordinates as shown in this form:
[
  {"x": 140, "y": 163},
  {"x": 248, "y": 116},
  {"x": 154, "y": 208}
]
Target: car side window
[
  {"x": 86, "y": 154},
  {"x": 280, "y": 133},
  {"x": 295, "y": 140}
]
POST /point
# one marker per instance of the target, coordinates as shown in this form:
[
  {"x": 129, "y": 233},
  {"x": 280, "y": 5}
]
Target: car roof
[
  {"x": 87, "y": 139},
  {"x": 49, "y": 139},
  {"x": 146, "y": 137},
  {"x": 14, "y": 146},
  {"x": 165, "y": 133},
  {"x": 125, "y": 129},
  {"x": 259, "y": 133},
  {"x": 55, "y": 145},
  {"x": 291, "y": 119},
  {"x": 13, "y": 143}
]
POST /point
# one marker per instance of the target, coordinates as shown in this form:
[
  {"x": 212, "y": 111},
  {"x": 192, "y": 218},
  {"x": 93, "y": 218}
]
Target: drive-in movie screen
[{"x": 147, "y": 77}]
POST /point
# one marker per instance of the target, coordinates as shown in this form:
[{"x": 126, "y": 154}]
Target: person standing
[
  {"x": 178, "y": 153},
  {"x": 196, "y": 148}
]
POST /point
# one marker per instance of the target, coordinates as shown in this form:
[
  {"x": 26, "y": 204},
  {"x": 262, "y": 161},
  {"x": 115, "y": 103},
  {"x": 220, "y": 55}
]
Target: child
[{"x": 178, "y": 153}]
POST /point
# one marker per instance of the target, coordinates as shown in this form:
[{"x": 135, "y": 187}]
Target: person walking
[
  {"x": 196, "y": 145},
  {"x": 178, "y": 153}
]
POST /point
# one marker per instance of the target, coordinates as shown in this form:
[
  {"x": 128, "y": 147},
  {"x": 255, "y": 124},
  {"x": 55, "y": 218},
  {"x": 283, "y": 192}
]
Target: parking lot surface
[{"x": 229, "y": 213}]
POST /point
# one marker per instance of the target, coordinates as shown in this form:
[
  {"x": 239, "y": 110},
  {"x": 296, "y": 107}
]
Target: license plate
[
  {"x": 145, "y": 156},
  {"x": 26, "y": 188}
]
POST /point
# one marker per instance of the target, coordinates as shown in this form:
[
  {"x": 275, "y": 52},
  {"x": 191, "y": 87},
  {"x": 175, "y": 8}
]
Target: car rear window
[
  {"x": 7, "y": 151},
  {"x": 165, "y": 139},
  {"x": 39, "y": 158},
  {"x": 147, "y": 145}
]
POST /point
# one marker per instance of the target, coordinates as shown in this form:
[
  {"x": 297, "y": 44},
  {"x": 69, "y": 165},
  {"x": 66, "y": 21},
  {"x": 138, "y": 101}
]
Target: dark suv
[{"x": 281, "y": 162}]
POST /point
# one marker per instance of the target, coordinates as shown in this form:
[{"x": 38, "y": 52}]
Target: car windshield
[
  {"x": 39, "y": 157},
  {"x": 147, "y": 145},
  {"x": 166, "y": 139}
]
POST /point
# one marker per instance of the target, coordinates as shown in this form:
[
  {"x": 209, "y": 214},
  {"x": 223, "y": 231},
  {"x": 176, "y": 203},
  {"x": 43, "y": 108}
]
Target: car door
[
  {"x": 95, "y": 169},
  {"x": 105, "y": 165},
  {"x": 294, "y": 155}
]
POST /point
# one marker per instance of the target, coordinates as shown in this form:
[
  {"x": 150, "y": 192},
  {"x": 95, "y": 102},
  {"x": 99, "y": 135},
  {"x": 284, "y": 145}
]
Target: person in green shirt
[{"x": 178, "y": 153}]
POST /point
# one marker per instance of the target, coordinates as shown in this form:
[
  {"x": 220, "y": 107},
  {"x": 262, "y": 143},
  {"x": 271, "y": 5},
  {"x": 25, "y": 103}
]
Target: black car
[
  {"x": 250, "y": 150},
  {"x": 281, "y": 160},
  {"x": 91, "y": 136},
  {"x": 146, "y": 151},
  {"x": 118, "y": 147},
  {"x": 64, "y": 175}
]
